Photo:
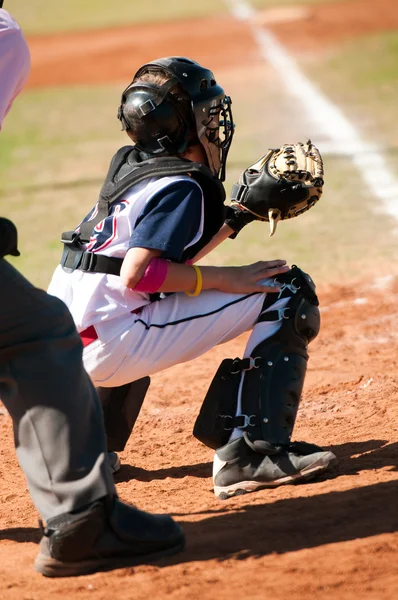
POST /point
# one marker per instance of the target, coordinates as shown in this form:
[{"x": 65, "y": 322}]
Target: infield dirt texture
[{"x": 335, "y": 538}]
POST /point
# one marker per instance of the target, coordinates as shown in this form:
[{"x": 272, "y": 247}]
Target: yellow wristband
[{"x": 199, "y": 282}]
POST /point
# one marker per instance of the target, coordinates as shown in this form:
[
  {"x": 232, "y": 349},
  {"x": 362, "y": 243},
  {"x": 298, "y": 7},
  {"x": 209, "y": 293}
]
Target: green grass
[
  {"x": 52, "y": 16},
  {"x": 54, "y": 135},
  {"x": 56, "y": 151},
  {"x": 362, "y": 76}
]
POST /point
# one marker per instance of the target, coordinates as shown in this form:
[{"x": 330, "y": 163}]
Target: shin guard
[
  {"x": 273, "y": 376},
  {"x": 121, "y": 407}
]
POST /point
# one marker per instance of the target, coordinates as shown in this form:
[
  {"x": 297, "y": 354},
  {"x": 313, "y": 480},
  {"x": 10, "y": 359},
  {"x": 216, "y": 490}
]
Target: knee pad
[
  {"x": 298, "y": 286},
  {"x": 273, "y": 377}
]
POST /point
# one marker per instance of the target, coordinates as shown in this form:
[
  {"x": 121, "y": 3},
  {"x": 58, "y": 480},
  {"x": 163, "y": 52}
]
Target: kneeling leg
[{"x": 250, "y": 410}]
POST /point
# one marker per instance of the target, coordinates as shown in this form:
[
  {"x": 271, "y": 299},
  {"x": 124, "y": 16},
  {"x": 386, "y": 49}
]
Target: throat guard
[{"x": 129, "y": 167}]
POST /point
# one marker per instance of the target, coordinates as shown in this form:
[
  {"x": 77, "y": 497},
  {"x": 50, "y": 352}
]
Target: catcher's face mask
[
  {"x": 215, "y": 132},
  {"x": 163, "y": 128}
]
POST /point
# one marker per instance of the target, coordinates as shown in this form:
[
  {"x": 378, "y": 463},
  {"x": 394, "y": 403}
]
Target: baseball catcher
[{"x": 141, "y": 303}]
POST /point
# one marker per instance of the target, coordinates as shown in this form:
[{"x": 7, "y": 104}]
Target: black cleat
[
  {"x": 239, "y": 470},
  {"x": 107, "y": 535}
]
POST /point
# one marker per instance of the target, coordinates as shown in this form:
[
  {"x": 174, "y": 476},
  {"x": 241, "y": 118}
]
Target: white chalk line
[{"x": 323, "y": 114}]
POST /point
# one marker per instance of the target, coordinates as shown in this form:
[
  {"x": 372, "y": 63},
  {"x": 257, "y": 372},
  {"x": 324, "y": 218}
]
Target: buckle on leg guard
[
  {"x": 249, "y": 361},
  {"x": 236, "y": 422},
  {"x": 247, "y": 421},
  {"x": 293, "y": 288},
  {"x": 289, "y": 286},
  {"x": 227, "y": 417},
  {"x": 274, "y": 315}
]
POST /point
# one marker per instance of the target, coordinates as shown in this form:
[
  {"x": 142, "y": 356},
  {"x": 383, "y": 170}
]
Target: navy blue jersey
[{"x": 170, "y": 220}]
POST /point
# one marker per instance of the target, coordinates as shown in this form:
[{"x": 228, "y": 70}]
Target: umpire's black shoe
[
  {"x": 238, "y": 469},
  {"x": 107, "y": 535}
]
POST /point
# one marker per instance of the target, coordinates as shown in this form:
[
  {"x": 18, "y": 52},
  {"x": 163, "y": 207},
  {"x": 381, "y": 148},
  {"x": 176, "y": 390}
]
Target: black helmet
[{"x": 159, "y": 125}]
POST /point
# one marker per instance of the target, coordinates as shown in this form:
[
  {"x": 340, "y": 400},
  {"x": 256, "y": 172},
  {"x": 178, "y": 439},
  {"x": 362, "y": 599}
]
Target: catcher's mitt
[{"x": 282, "y": 184}]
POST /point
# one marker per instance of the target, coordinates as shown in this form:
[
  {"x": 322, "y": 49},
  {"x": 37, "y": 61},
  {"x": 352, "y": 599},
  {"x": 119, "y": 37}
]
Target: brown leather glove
[{"x": 282, "y": 184}]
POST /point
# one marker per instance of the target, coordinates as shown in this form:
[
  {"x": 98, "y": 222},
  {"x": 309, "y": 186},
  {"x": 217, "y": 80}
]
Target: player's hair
[{"x": 157, "y": 78}]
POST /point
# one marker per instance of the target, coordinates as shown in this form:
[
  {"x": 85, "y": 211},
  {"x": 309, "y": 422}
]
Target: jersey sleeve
[
  {"x": 171, "y": 220},
  {"x": 14, "y": 62}
]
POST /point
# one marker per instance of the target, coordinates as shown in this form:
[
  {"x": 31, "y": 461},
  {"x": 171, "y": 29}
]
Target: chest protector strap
[{"x": 128, "y": 168}]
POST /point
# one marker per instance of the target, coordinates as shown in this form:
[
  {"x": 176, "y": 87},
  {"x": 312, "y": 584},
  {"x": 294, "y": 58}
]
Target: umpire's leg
[{"x": 57, "y": 419}]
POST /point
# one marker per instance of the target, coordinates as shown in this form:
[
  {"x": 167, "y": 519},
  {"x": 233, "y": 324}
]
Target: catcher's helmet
[{"x": 153, "y": 114}]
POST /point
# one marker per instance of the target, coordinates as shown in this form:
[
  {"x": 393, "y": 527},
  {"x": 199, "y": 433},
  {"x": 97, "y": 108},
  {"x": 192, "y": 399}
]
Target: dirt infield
[{"x": 334, "y": 538}]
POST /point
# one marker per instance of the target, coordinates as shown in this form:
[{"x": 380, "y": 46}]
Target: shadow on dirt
[
  {"x": 355, "y": 457},
  {"x": 293, "y": 524},
  {"x": 290, "y": 524},
  {"x": 373, "y": 454},
  {"x": 21, "y": 534},
  {"x": 128, "y": 472},
  {"x": 283, "y": 526}
]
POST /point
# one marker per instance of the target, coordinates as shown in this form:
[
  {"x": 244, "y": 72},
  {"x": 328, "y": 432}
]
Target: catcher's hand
[{"x": 282, "y": 184}]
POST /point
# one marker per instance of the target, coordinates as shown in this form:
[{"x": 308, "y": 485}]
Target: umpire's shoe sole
[
  {"x": 50, "y": 567},
  {"x": 247, "y": 471}
]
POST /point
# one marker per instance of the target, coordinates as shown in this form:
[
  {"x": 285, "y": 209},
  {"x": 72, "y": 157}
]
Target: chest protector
[{"x": 129, "y": 167}]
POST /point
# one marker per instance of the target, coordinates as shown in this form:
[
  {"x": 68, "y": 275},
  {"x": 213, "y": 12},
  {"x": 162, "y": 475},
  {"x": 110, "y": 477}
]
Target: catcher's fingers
[
  {"x": 269, "y": 264},
  {"x": 247, "y": 279},
  {"x": 263, "y": 270},
  {"x": 269, "y": 273},
  {"x": 269, "y": 284},
  {"x": 262, "y": 279}
]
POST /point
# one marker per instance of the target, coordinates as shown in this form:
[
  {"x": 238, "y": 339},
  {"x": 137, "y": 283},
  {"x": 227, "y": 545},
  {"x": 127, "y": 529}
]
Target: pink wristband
[{"x": 154, "y": 276}]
